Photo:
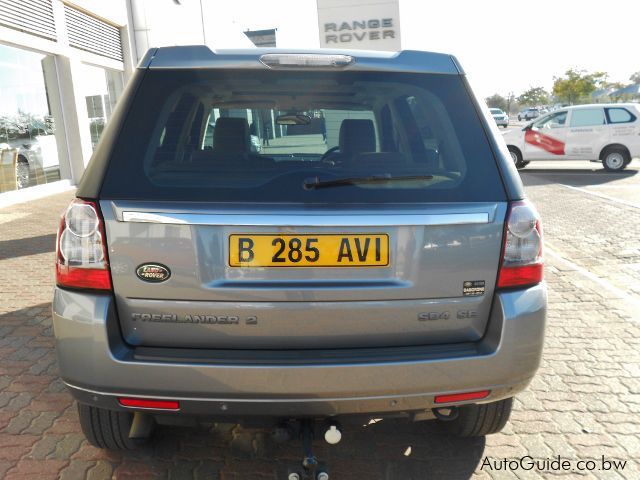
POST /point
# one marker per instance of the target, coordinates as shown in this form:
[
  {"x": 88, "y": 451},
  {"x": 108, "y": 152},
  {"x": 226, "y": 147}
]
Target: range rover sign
[{"x": 359, "y": 24}]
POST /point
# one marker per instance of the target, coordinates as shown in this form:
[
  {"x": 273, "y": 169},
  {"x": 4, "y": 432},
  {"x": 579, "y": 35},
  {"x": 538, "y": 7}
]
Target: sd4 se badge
[{"x": 153, "y": 272}]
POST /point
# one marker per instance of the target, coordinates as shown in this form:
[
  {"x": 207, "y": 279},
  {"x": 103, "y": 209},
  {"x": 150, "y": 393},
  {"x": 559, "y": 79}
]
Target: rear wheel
[
  {"x": 615, "y": 159},
  {"x": 108, "y": 429},
  {"x": 480, "y": 420},
  {"x": 516, "y": 156}
]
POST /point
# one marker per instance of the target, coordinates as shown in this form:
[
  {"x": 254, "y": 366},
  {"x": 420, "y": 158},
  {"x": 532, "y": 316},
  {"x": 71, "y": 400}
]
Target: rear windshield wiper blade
[{"x": 315, "y": 182}]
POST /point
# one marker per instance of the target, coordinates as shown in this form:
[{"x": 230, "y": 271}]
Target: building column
[{"x": 76, "y": 121}]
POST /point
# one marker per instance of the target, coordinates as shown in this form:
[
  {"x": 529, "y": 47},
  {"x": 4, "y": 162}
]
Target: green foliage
[
  {"x": 635, "y": 78},
  {"x": 577, "y": 85},
  {"x": 497, "y": 101},
  {"x": 534, "y": 96}
]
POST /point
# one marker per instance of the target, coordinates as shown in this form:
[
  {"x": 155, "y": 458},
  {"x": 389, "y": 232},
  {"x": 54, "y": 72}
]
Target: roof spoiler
[{"x": 201, "y": 56}]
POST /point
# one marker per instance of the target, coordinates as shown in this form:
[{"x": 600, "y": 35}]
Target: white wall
[{"x": 160, "y": 23}]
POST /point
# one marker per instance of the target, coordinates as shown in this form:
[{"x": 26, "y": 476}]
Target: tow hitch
[{"x": 311, "y": 468}]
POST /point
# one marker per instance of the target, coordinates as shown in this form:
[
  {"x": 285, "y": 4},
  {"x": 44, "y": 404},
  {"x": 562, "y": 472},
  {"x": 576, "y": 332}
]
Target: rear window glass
[
  {"x": 302, "y": 137},
  {"x": 587, "y": 117},
  {"x": 620, "y": 115}
]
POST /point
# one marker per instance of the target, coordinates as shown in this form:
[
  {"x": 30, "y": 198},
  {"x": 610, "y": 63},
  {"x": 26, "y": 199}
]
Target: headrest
[
  {"x": 231, "y": 135},
  {"x": 357, "y": 136}
]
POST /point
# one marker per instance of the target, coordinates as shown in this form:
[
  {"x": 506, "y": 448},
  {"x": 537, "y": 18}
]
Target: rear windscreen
[{"x": 302, "y": 137}]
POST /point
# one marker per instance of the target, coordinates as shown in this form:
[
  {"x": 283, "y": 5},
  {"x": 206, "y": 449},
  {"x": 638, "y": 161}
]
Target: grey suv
[{"x": 376, "y": 258}]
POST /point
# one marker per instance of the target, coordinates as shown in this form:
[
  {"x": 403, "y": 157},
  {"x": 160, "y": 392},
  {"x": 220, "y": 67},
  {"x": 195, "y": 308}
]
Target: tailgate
[{"x": 427, "y": 275}]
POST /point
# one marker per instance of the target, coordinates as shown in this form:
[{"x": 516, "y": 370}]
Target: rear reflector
[
  {"x": 461, "y": 397},
  {"x": 149, "y": 403}
]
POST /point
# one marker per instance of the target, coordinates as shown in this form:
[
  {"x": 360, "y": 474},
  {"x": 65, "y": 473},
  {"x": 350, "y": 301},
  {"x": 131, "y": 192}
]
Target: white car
[
  {"x": 529, "y": 114},
  {"x": 501, "y": 118},
  {"x": 607, "y": 133}
]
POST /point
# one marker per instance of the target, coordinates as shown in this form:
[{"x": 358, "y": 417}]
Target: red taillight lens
[
  {"x": 461, "y": 397},
  {"x": 149, "y": 403},
  {"x": 522, "y": 263},
  {"x": 81, "y": 260}
]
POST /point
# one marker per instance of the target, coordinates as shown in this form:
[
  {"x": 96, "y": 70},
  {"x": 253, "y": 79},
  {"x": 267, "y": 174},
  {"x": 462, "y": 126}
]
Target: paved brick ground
[{"x": 585, "y": 402}]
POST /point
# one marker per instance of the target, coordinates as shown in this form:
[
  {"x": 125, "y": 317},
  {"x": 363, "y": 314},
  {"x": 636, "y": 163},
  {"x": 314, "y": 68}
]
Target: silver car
[
  {"x": 529, "y": 114},
  {"x": 376, "y": 258},
  {"x": 500, "y": 117}
]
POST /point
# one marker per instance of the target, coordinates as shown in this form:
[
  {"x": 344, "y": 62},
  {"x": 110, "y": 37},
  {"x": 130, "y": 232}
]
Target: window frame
[{"x": 608, "y": 118}]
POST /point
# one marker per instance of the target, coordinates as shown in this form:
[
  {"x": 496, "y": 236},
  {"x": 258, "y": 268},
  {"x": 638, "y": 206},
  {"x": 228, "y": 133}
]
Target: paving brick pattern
[
  {"x": 585, "y": 402},
  {"x": 599, "y": 235}
]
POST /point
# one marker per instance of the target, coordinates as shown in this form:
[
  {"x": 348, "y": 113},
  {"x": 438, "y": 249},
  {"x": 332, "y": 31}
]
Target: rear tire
[
  {"x": 516, "y": 156},
  {"x": 615, "y": 159},
  {"x": 108, "y": 429},
  {"x": 480, "y": 420}
]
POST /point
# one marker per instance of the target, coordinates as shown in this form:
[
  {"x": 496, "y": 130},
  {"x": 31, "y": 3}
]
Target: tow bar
[{"x": 312, "y": 469}]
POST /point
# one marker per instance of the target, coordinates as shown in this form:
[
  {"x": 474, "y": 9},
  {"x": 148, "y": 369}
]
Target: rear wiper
[{"x": 315, "y": 182}]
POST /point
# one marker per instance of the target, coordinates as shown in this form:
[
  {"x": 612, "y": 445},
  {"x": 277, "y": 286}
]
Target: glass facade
[
  {"x": 102, "y": 88},
  {"x": 28, "y": 129}
]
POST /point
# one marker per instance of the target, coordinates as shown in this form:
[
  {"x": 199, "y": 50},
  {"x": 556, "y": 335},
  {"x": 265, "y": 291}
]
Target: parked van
[{"x": 607, "y": 133}]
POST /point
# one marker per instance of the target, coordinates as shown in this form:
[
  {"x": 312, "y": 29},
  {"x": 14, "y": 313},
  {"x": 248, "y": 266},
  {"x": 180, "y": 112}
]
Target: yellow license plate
[{"x": 309, "y": 250}]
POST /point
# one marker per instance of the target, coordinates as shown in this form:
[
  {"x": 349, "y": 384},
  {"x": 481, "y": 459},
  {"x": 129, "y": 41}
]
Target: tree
[
  {"x": 534, "y": 96},
  {"x": 577, "y": 85},
  {"x": 497, "y": 101},
  {"x": 635, "y": 78}
]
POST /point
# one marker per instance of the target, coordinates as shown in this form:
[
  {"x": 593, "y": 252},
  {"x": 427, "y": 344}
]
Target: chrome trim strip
[{"x": 269, "y": 220}]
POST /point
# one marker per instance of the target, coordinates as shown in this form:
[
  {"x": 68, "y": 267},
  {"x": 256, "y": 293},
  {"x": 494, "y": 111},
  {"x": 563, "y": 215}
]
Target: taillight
[
  {"x": 80, "y": 248},
  {"x": 522, "y": 263}
]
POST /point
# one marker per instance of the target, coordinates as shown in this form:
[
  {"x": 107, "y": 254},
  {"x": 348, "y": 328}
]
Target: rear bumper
[{"x": 99, "y": 367}]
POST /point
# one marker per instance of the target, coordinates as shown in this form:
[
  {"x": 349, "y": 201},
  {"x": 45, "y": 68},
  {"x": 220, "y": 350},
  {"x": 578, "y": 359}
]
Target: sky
[{"x": 504, "y": 45}]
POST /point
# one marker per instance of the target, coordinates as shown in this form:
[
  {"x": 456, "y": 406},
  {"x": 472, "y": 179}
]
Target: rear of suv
[{"x": 375, "y": 257}]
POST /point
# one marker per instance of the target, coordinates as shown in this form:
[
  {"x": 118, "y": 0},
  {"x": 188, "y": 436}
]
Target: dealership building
[{"x": 63, "y": 66}]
